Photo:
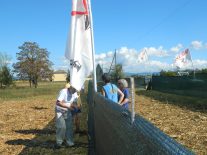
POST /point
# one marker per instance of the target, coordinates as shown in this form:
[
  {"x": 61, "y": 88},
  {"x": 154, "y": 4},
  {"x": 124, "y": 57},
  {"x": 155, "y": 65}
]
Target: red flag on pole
[
  {"x": 143, "y": 57},
  {"x": 183, "y": 59},
  {"x": 79, "y": 45}
]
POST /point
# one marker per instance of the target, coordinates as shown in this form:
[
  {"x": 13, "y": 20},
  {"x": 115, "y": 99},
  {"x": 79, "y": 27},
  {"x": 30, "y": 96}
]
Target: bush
[{"x": 5, "y": 77}]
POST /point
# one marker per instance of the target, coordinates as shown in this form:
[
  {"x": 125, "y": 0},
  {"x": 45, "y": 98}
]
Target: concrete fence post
[{"x": 132, "y": 99}]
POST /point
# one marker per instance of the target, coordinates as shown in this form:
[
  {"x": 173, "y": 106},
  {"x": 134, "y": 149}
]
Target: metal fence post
[{"x": 132, "y": 99}]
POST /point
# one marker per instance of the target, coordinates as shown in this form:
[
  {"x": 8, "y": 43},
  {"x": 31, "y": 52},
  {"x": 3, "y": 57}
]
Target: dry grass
[
  {"x": 27, "y": 126},
  {"x": 27, "y": 123},
  {"x": 185, "y": 125}
]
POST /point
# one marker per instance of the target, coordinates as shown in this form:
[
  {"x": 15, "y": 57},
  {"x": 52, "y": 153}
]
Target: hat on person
[{"x": 67, "y": 85}]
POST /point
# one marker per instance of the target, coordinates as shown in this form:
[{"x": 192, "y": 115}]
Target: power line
[{"x": 167, "y": 18}]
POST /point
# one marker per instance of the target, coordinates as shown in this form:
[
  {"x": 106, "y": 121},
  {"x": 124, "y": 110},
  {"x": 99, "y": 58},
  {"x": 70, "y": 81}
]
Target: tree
[
  {"x": 5, "y": 77},
  {"x": 204, "y": 70},
  {"x": 5, "y": 73},
  {"x": 4, "y": 59},
  {"x": 167, "y": 73},
  {"x": 99, "y": 73},
  {"x": 117, "y": 73},
  {"x": 33, "y": 63}
]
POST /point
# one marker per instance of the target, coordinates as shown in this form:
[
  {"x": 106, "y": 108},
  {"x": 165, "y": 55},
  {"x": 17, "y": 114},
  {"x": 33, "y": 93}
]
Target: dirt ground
[
  {"x": 27, "y": 127},
  {"x": 186, "y": 126}
]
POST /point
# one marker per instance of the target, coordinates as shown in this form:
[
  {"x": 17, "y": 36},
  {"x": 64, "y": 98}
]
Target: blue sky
[{"x": 163, "y": 27}]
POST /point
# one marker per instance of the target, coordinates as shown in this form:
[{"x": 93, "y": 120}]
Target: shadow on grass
[
  {"x": 44, "y": 139},
  {"x": 39, "y": 108},
  {"x": 36, "y": 131},
  {"x": 31, "y": 143},
  {"x": 190, "y": 102},
  {"x": 44, "y": 142}
]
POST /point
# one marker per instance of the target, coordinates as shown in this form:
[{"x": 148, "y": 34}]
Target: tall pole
[
  {"x": 193, "y": 68},
  {"x": 93, "y": 48},
  {"x": 115, "y": 64},
  {"x": 112, "y": 63},
  {"x": 192, "y": 63}
]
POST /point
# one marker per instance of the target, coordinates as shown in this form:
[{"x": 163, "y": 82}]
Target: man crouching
[{"x": 64, "y": 123}]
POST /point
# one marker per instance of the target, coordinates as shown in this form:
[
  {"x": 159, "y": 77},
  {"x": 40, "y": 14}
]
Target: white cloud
[
  {"x": 151, "y": 66},
  {"x": 110, "y": 54},
  {"x": 196, "y": 44},
  {"x": 200, "y": 64},
  {"x": 176, "y": 48},
  {"x": 128, "y": 58},
  {"x": 63, "y": 64},
  {"x": 195, "y": 64},
  {"x": 158, "y": 52},
  {"x": 62, "y": 67},
  {"x": 100, "y": 56}
]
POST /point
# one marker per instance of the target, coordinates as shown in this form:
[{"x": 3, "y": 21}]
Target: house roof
[{"x": 60, "y": 72}]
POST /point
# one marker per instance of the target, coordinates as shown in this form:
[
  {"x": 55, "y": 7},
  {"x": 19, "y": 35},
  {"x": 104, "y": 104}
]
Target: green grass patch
[{"x": 22, "y": 91}]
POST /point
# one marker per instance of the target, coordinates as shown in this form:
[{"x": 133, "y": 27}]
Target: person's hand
[
  {"x": 79, "y": 106},
  {"x": 71, "y": 107},
  {"x": 74, "y": 105}
]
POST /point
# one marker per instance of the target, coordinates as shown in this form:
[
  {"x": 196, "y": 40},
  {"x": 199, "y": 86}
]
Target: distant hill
[{"x": 141, "y": 74}]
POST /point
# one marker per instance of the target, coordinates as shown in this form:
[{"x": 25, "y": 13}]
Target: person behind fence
[
  {"x": 149, "y": 85},
  {"x": 76, "y": 112},
  {"x": 64, "y": 124},
  {"x": 123, "y": 86},
  {"x": 110, "y": 90}
]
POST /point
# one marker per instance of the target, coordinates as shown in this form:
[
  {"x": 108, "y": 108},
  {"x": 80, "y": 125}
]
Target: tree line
[{"x": 191, "y": 72}]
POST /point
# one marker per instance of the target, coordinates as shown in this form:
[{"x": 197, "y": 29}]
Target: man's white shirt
[{"x": 66, "y": 97}]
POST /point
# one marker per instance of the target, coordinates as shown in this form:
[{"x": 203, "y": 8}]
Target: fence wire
[{"x": 111, "y": 131}]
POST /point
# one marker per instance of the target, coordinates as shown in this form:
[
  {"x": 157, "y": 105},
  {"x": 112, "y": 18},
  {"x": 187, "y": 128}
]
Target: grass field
[
  {"x": 178, "y": 98},
  {"x": 27, "y": 121},
  {"x": 183, "y": 118}
]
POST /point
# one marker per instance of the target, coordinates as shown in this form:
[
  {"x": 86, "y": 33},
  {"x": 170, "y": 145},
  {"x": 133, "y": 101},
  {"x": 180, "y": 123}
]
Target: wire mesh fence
[
  {"x": 111, "y": 131},
  {"x": 181, "y": 85}
]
